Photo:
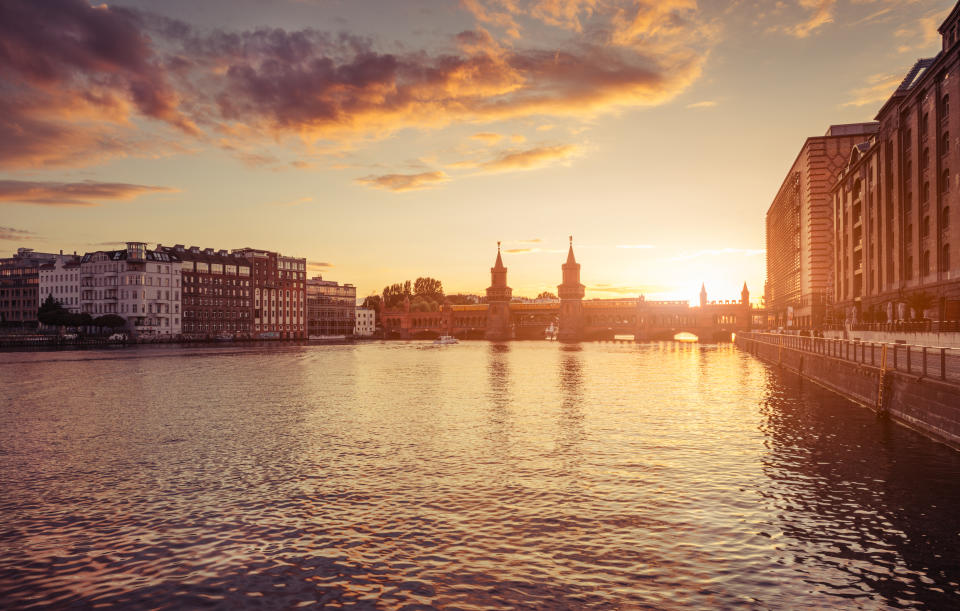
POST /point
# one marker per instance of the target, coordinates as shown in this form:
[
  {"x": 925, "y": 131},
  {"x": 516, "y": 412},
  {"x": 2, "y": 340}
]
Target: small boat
[
  {"x": 551, "y": 332},
  {"x": 446, "y": 339},
  {"x": 327, "y": 338}
]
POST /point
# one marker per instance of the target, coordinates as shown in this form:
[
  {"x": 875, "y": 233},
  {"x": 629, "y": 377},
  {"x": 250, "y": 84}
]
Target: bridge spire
[
  {"x": 703, "y": 294},
  {"x": 570, "y": 258}
]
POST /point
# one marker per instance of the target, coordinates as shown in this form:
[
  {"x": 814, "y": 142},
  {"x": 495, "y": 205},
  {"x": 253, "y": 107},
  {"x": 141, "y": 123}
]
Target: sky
[{"x": 387, "y": 140}]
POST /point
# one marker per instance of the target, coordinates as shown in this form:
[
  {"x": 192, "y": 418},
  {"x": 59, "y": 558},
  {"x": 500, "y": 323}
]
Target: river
[{"x": 531, "y": 474}]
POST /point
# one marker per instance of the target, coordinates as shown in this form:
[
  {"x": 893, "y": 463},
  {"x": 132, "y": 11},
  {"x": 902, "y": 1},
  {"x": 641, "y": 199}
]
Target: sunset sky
[{"x": 385, "y": 140}]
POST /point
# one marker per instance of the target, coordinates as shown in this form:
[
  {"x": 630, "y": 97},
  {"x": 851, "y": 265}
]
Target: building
[
  {"x": 217, "y": 292},
  {"x": 896, "y": 254},
  {"x": 19, "y": 284},
  {"x": 142, "y": 286},
  {"x": 60, "y": 279},
  {"x": 279, "y": 294},
  {"x": 365, "y": 323},
  {"x": 331, "y": 308},
  {"x": 571, "y": 293},
  {"x": 498, "y": 324},
  {"x": 799, "y": 229}
]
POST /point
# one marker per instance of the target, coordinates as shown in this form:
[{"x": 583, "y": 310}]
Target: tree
[
  {"x": 394, "y": 294},
  {"x": 546, "y": 295},
  {"x": 372, "y": 302},
  {"x": 430, "y": 289}
]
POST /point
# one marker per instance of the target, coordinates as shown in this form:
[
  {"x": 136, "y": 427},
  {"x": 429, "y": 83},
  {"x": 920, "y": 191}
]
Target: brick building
[
  {"x": 799, "y": 231},
  {"x": 279, "y": 293},
  {"x": 19, "y": 287},
  {"x": 893, "y": 208},
  {"x": 217, "y": 292}
]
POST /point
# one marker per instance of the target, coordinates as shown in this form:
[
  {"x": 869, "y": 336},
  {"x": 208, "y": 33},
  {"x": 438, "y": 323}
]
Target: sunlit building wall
[
  {"x": 799, "y": 229},
  {"x": 60, "y": 279},
  {"x": 366, "y": 322},
  {"x": 142, "y": 286},
  {"x": 893, "y": 207}
]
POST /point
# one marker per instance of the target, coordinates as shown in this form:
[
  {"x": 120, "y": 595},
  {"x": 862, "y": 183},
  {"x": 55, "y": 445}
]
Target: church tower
[
  {"x": 498, "y": 302},
  {"x": 571, "y": 299},
  {"x": 703, "y": 295}
]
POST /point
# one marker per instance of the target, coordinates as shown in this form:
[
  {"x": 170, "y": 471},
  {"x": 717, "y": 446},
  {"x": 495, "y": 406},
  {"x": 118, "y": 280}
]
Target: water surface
[{"x": 532, "y": 474}]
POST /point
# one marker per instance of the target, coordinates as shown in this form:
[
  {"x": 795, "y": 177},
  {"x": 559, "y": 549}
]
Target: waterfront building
[
  {"x": 366, "y": 322},
  {"x": 331, "y": 308},
  {"x": 19, "y": 284},
  {"x": 799, "y": 229},
  {"x": 279, "y": 293},
  {"x": 217, "y": 292},
  {"x": 60, "y": 279},
  {"x": 140, "y": 285},
  {"x": 893, "y": 208}
]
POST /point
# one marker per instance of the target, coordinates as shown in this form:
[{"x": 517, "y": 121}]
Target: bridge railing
[{"x": 926, "y": 361}]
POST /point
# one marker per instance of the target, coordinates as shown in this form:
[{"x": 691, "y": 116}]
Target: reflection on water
[{"x": 480, "y": 475}]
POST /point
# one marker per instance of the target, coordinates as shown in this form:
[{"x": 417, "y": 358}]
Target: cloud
[
  {"x": 404, "y": 182},
  {"x": 747, "y": 252},
  {"x": 703, "y": 104},
  {"x": 623, "y": 290},
  {"x": 530, "y": 241},
  {"x": 291, "y": 203},
  {"x": 86, "y": 193},
  {"x": 12, "y": 234},
  {"x": 319, "y": 265},
  {"x": 879, "y": 87},
  {"x": 643, "y": 246},
  {"x": 78, "y": 77},
  {"x": 488, "y": 137},
  {"x": 820, "y": 14},
  {"x": 530, "y": 251},
  {"x": 921, "y": 32},
  {"x": 529, "y": 159}
]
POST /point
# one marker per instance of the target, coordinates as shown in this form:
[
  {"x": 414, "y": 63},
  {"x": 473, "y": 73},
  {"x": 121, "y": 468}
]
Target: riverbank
[{"x": 914, "y": 385}]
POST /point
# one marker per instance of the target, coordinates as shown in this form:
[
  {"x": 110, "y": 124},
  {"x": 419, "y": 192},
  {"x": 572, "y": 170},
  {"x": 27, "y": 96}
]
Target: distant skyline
[{"x": 389, "y": 140}]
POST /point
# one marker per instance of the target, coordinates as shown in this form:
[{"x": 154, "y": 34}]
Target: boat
[
  {"x": 446, "y": 339},
  {"x": 327, "y": 338},
  {"x": 551, "y": 332}
]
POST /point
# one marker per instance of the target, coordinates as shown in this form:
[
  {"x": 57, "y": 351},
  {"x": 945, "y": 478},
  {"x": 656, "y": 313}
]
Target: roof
[
  {"x": 914, "y": 75},
  {"x": 186, "y": 254},
  {"x": 121, "y": 255}
]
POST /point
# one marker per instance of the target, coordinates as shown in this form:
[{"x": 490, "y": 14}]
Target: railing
[{"x": 940, "y": 363}]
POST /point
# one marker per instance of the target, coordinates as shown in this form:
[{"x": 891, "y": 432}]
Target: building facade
[
  {"x": 894, "y": 207},
  {"x": 279, "y": 294},
  {"x": 799, "y": 230},
  {"x": 19, "y": 287},
  {"x": 331, "y": 308},
  {"x": 365, "y": 322},
  {"x": 217, "y": 292},
  {"x": 60, "y": 279},
  {"x": 142, "y": 286}
]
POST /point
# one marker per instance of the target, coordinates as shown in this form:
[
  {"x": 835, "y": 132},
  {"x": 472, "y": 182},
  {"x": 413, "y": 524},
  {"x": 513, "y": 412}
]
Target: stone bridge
[{"x": 578, "y": 319}]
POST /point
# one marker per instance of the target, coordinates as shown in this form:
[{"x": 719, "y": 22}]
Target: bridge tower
[
  {"x": 571, "y": 299},
  {"x": 498, "y": 302},
  {"x": 745, "y": 295},
  {"x": 703, "y": 295}
]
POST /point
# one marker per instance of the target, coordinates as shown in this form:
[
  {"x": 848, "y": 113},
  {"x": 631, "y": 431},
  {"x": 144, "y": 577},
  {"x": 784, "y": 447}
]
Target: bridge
[{"x": 578, "y": 319}]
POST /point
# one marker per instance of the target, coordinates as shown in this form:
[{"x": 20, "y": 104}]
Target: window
[
  {"x": 945, "y": 258},
  {"x": 925, "y": 159},
  {"x": 945, "y": 181},
  {"x": 925, "y": 194},
  {"x": 925, "y": 263},
  {"x": 945, "y": 143},
  {"x": 925, "y": 227},
  {"x": 945, "y": 218}
]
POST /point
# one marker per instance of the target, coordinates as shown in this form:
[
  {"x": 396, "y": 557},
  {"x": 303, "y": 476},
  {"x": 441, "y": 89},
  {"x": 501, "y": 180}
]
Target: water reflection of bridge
[{"x": 579, "y": 319}]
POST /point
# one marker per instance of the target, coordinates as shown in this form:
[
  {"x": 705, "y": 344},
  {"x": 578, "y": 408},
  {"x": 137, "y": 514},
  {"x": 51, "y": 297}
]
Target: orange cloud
[
  {"x": 878, "y": 89},
  {"x": 404, "y": 182},
  {"x": 86, "y": 193},
  {"x": 821, "y": 13},
  {"x": 488, "y": 137},
  {"x": 530, "y": 158}
]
